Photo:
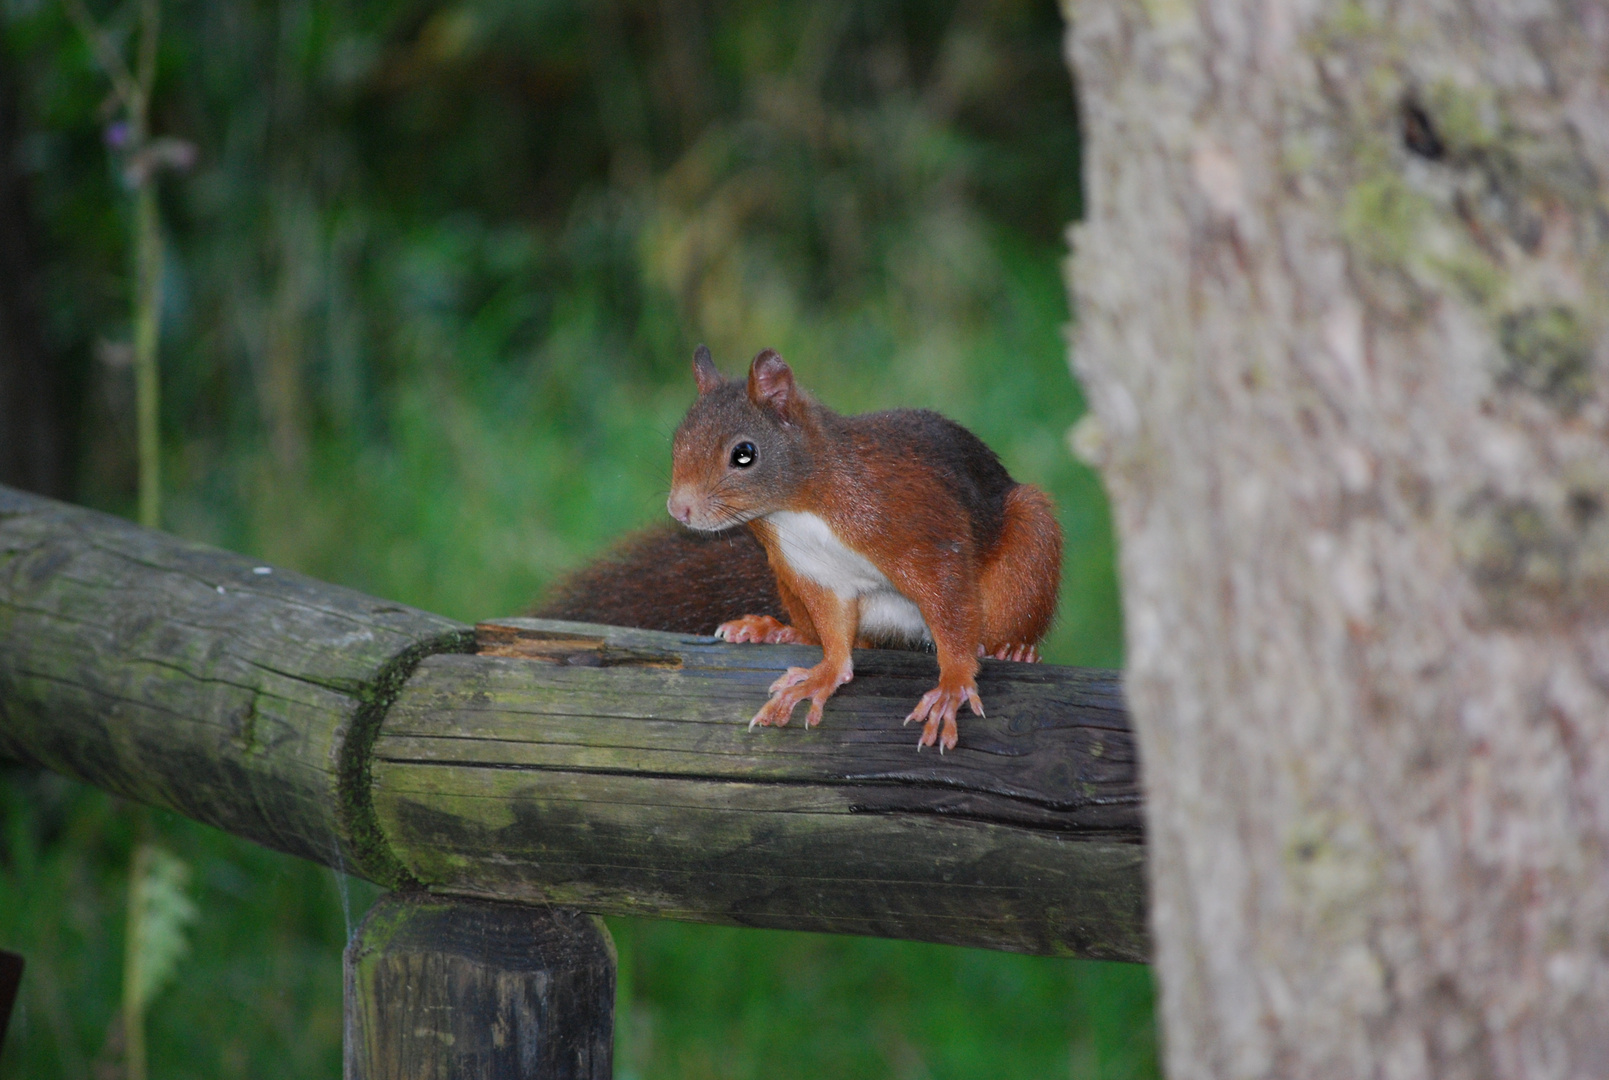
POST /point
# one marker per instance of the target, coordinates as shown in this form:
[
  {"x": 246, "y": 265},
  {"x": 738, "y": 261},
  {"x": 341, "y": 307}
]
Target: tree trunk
[{"x": 1343, "y": 303}]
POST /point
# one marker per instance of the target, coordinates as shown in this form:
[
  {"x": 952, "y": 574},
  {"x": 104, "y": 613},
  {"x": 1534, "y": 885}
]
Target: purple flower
[{"x": 117, "y": 134}]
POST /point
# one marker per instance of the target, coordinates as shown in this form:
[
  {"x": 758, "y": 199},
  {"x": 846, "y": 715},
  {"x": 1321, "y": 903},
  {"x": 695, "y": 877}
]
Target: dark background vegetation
[{"x": 431, "y": 291}]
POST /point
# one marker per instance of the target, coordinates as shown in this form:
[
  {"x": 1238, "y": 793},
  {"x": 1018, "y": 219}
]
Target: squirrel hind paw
[
  {"x": 757, "y": 629},
  {"x": 1020, "y": 651}
]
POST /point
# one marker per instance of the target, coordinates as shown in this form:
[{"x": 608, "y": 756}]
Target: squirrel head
[{"x": 739, "y": 454}]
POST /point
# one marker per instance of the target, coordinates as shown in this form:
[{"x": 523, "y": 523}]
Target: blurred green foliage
[{"x": 432, "y": 289}]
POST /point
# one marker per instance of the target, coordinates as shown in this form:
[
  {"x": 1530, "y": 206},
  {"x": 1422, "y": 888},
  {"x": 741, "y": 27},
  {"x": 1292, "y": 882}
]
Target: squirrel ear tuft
[
  {"x": 704, "y": 370},
  {"x": 771, "y": 383}
]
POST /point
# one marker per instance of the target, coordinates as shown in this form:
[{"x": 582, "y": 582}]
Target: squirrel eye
[{"x": 743, "y": 455}]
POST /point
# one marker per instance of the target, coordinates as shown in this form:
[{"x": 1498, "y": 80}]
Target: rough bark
[{"x": 1343, "y": 296}]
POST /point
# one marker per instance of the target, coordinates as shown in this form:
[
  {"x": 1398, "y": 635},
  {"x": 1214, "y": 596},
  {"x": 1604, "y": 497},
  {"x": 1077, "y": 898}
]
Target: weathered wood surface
[
  {"x": 605, "y": 769},
  {"x": 468, "y": 990},
  {"x": 180, "y": 676},
  {"x": 620, "y": 776}
]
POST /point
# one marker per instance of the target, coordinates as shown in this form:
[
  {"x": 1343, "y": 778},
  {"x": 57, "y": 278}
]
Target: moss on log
[
  {"x": 185, "y": 677},
  {"x": 605, "y": 769},
  {"x": 617, "y": 773}
]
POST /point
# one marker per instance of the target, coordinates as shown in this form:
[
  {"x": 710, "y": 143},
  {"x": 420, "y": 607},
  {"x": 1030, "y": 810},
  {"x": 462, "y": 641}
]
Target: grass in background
[
  {"x": 258, "y": 994},
  {"x": 433, "y": 290},
  {"x": 721, "y": 1003}
]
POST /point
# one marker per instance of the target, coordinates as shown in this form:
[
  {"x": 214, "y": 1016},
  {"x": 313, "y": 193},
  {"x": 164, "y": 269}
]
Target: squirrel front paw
[
  {"x": 761, "y": 629},
  {"x": 937, "y": 711},
  {"x": 816, "y": 683}
]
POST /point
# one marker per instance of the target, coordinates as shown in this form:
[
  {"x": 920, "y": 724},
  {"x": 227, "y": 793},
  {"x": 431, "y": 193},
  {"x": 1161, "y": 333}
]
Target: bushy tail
[
  {"x": 669, "y": 578},
  {"x": 1022, "y": 572}
]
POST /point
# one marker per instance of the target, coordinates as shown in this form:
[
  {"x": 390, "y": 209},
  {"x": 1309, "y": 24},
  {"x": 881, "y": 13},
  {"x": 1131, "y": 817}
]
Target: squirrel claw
[
  {"x": 774, "y": 713},
  {"x": 795, "y": 685},
  {"x": 937, "y": 711}
]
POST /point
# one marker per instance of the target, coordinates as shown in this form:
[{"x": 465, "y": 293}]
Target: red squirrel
[{"x": 896, "y": 527}]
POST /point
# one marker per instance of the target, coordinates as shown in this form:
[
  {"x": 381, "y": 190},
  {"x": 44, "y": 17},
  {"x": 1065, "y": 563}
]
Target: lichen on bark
[{"x": 1343, "y": 320}]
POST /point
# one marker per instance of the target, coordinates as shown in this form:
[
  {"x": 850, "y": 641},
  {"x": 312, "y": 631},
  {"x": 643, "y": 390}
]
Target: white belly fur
[{"x": 812, "y": 551}]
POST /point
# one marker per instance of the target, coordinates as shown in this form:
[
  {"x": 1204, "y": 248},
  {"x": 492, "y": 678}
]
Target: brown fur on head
[{"x": 739, "y": 453}]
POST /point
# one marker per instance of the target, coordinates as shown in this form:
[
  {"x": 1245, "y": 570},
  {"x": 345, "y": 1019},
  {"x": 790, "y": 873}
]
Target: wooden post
[{"x": 475, "y": 990}]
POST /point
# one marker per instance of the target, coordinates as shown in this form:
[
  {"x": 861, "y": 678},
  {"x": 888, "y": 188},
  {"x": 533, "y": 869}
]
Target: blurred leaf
[{"x": 162, "y": 912}]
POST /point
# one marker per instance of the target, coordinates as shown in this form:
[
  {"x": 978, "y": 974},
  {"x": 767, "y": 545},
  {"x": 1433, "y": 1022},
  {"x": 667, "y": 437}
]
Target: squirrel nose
[{"x": 680, "y": 509}]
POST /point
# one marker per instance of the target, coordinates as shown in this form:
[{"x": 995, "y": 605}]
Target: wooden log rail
[{"x": 546, "y": 763}]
